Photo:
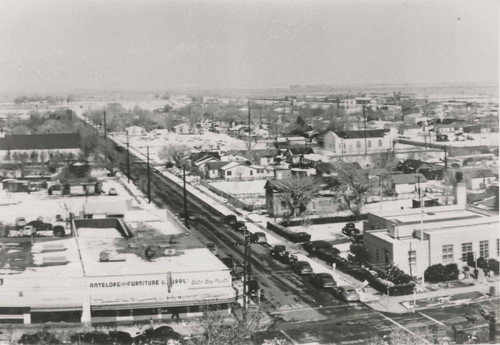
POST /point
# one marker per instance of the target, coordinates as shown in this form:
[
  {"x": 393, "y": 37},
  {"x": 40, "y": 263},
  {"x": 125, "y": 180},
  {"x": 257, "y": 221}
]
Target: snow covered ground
[{"x": 241, "y": 187}]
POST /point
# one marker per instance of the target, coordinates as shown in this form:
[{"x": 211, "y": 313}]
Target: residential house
[
  {"x": 282, "y": 173},
  {"x": 429, "y": 170},
  {"x": 236, "y": 171},
  {"x": 201, "y": 162},
  {"x": 182, "y": 128},
  {"x": 266, "y": 160},
  {"x": 277, "y": 206},
  {"x": 406, "y": 183},
  {"x": 36, "y": 146},
  {"x": 262, "y": 132},
  {"x": 294, "y": 155},
  {"x": 212, "y": 170},
  {"x": 476, "y": 179},
  {"x": 313, "y": 159},
  {"x": 353, "y": 142},
  {"x": 135, "y": 131}
]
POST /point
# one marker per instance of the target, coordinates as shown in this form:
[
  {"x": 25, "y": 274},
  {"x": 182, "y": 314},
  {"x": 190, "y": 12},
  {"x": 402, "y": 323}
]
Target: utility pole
[
  {"x": 364, "y": 120},
  {"x": 128, "y": 160},
  {"x": 245, "y": 271},
  {"x": 105, "y": 124},
  {"x": 249, "y": 132},
  {"x": 149, "y": 176},
  {"x": 445, "y": 159},
  {"x": 421, "y": 222},
  {"x": 184, "y": 195}
]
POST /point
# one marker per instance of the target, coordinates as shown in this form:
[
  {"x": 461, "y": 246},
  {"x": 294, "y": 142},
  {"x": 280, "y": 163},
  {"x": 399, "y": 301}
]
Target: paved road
[{"x": 307, "y": 314}]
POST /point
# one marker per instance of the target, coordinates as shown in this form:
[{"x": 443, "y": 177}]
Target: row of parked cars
[
  {"x": 318, "y": 280},
  {"x": 159, "y": 335},
  {"x": 37, "y": 227}
]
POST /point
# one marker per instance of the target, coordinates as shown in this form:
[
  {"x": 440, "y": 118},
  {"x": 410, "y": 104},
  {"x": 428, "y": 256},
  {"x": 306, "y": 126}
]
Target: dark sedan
[
  {"x": 323, "y": 281},
  {"x": 303, "y": 268}
]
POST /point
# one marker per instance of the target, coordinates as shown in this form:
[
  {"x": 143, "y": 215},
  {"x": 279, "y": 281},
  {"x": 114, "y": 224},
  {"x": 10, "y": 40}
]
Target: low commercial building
[
  {"x": 414, "y": 239},
  {"x": 109, "y": 271}
]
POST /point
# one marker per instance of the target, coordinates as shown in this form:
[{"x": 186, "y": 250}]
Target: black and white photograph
[{"x": 249, "y": 172}]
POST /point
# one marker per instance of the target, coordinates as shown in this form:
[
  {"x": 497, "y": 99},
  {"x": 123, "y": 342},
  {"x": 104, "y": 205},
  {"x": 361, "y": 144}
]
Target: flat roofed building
[
  {"x": 414, "y": 240},
  {"x": 123, "y": 281}
]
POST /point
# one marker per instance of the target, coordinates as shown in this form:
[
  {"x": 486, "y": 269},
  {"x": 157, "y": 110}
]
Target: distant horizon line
[{"x": 292, "y": 87}]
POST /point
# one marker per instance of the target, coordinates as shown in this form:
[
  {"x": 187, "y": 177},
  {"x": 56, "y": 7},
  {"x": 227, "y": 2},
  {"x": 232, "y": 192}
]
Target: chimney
[{"x": 461, "y": 195}]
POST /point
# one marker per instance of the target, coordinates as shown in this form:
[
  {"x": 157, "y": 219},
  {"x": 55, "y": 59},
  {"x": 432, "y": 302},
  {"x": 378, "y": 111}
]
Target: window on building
[
  {"x": 376, "y": 255},
  {"x": 251, "y": 172},
  {"x": 229, "y": 173},
  {"x": 380, "y": 143},
  {"x": 369, "y": 143},
  {"x": 484, "y": 250},
  {"x": 466, "y": 248},
  {"x": 283, "y": 204},
  {"x": 447, "y": 253},
  {"x": 358, "y": 144},
  {"x": 412, "y": 257}
]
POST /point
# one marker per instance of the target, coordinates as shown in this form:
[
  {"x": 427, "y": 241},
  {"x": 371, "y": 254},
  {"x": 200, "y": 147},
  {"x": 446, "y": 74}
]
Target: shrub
[
  {"x": 494, "y": 265},
  {"x": 434, "y": 273},
  {"x": 451, "y": 272},
  {"x": 396, "y": 275}
]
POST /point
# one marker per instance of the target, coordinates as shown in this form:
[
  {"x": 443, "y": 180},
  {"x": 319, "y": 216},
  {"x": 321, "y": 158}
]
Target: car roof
[{"x": 324, "y": 275}]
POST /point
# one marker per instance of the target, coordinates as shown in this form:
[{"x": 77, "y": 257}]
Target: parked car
[
  {"x": 213, "y": 249},
  {"x": 350, "y": 229},
  {"x": 297, "y": 237},
  {"x": 278, "y": 252},
  {"x": 112, "y": 191},
  {"x": 158, "y": 335},
  {"x": 21, "y": 222},
  {"x": 258, "y": 237},
  {"x": 182, "y": 216},
  {"x": 312, "y": 246},
  {"x": 39, "y": 338},
  {"x": 94, "y": 337},
  {"x": 121, "y": 338},
  {"x": 239, "y": 226},
  {"x": 28, "y": 230},
  {"x": 346, "y": 293},
  {"x": 327, "y": 254},
  {"x": 40, "y": 225},
  {"x": 59, "y": 231},
  {"x": 323, "y": 280},
  {"x": 229, "y": 219},
  {"x": 302, "y": 267}
]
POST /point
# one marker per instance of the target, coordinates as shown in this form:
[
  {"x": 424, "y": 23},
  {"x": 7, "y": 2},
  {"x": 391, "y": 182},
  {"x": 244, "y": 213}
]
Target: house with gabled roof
[
  {"x": 212, "y": 170},
  {"x": 429, "y": 170},
  {"x": 236, "y": 171},
  {"x": 406, "y": 183},
  {"x": 294, "y": 155},
  {"x": 41, "y": 144},
  {"x": 357, "y": 142}
]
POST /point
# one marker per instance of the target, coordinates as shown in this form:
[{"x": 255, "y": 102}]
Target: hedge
[
  {"x": 377, "y": 283},
  {"x": 289, "y": 235},
  {"x": 326, "y": 220}
]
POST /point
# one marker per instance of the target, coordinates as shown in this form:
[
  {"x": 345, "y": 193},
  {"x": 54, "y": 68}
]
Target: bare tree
[
  {"x": 218, "y": 328},
  {"x": 297, "y": 192},
  {"x": 176, "y": 153},
  {"x": 110, "y": 157},
  {"x": 355, "y": 185}
]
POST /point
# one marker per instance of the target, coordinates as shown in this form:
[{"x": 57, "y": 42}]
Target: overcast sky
[{"x": 53, "y": 46}]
